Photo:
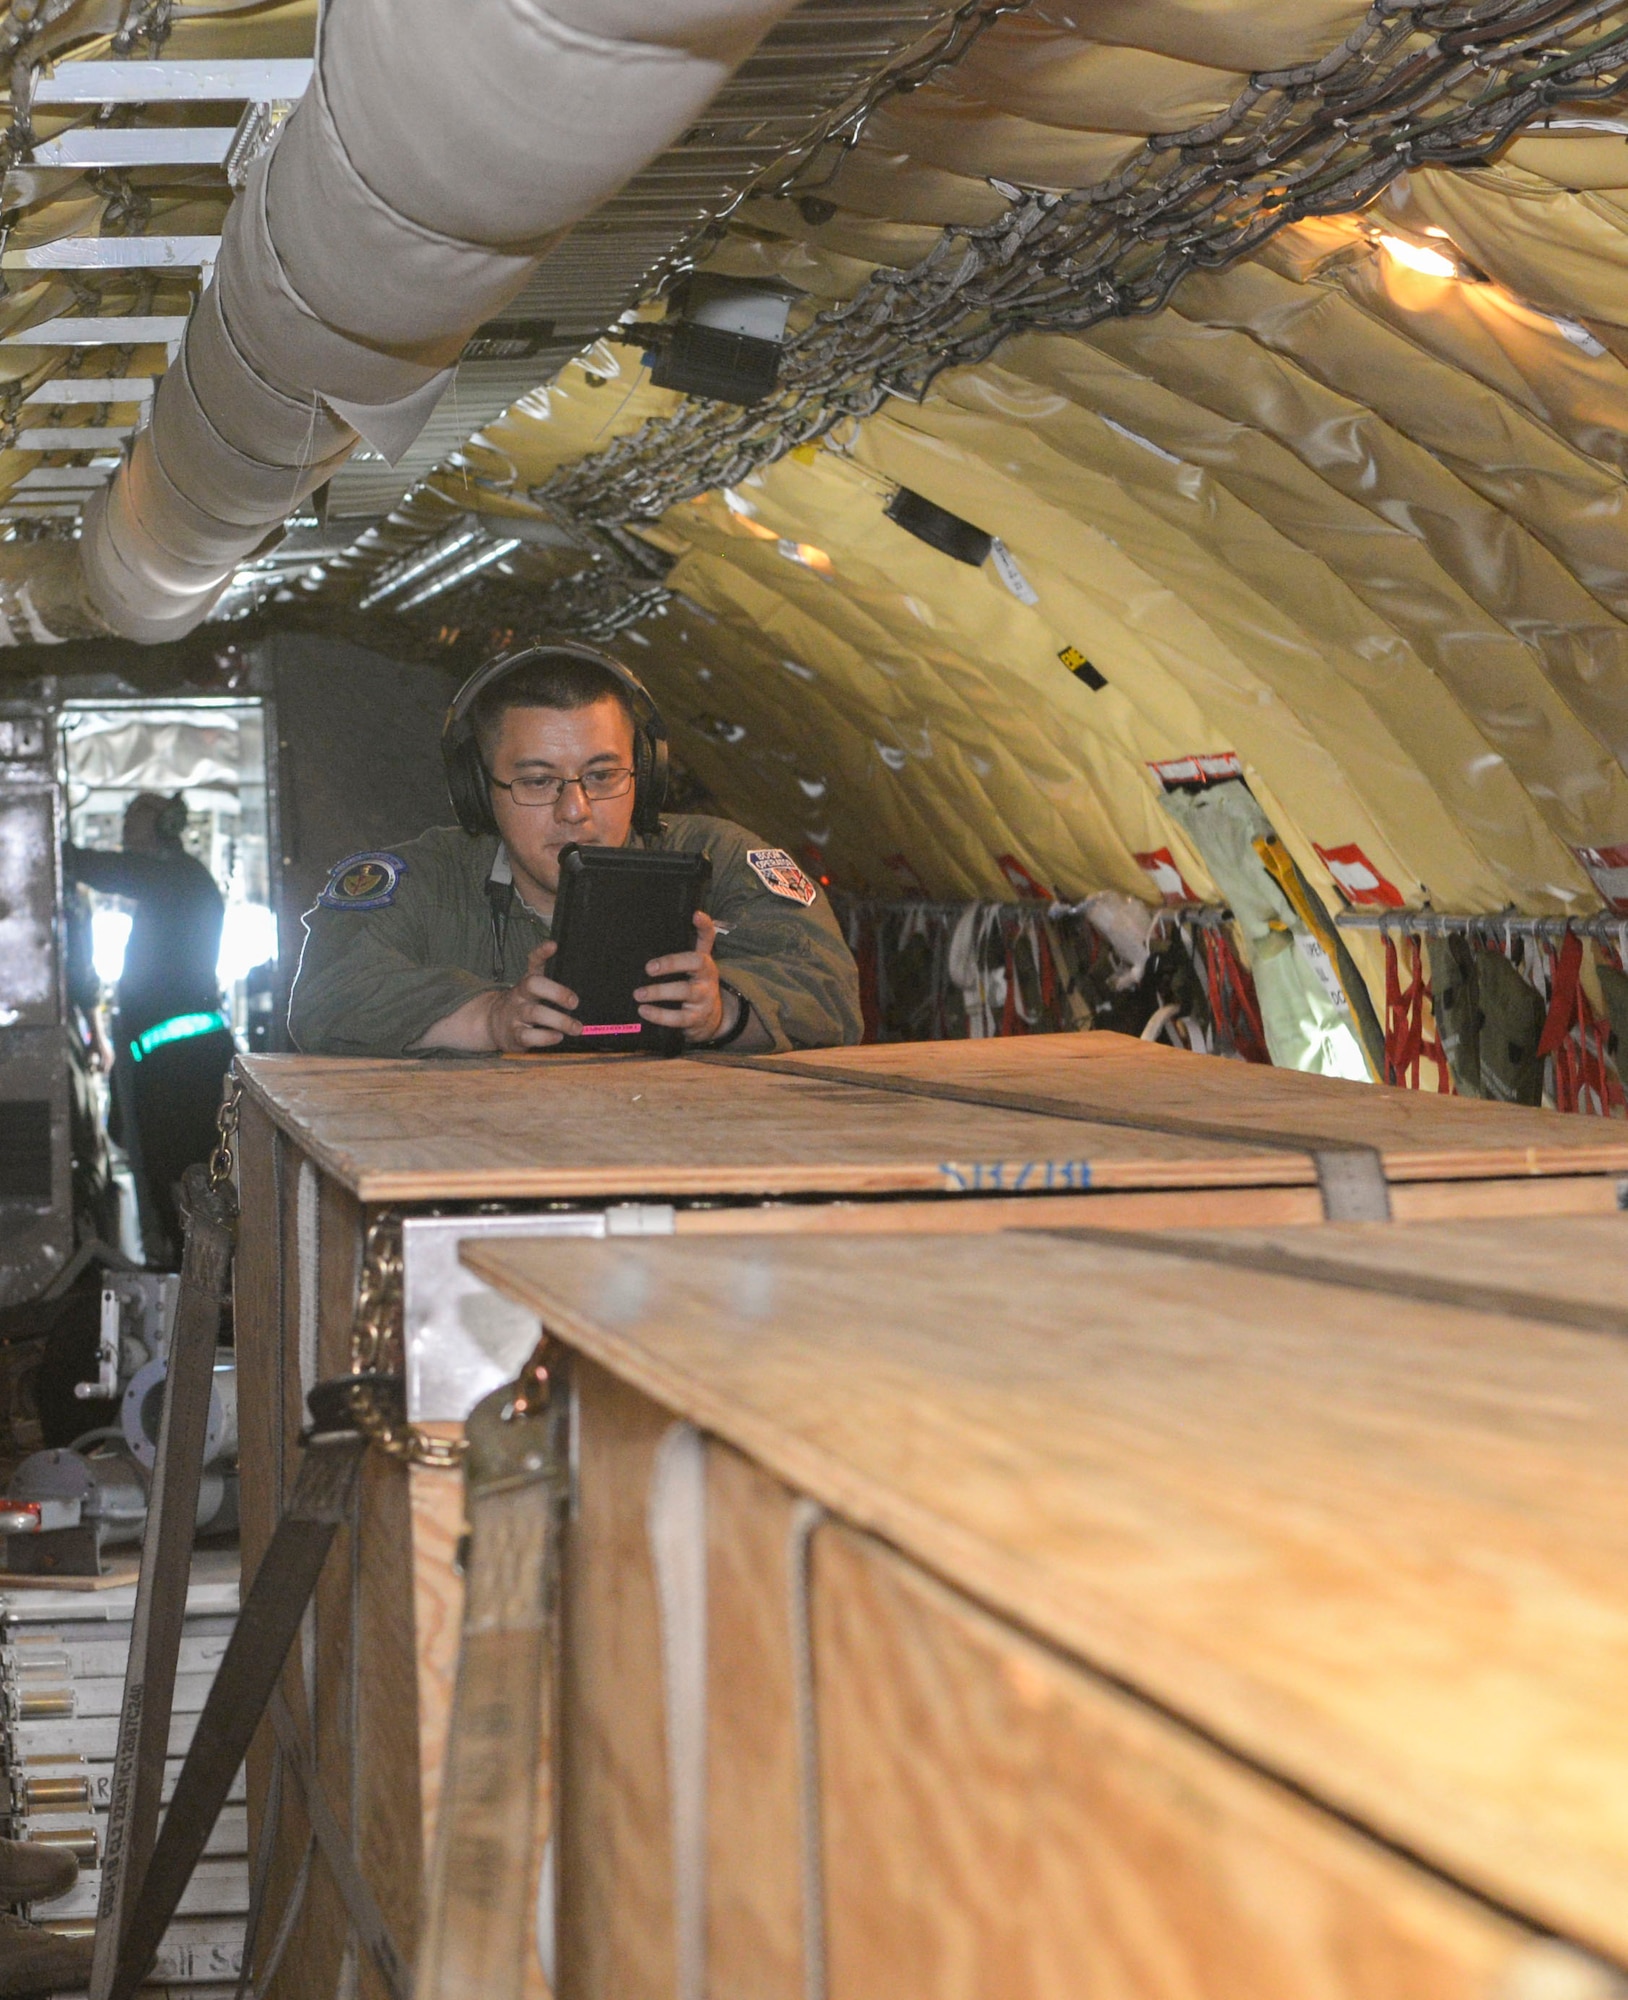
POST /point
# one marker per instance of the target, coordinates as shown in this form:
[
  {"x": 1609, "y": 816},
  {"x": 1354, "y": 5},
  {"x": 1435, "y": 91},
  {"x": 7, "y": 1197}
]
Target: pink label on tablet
[{"x": 620, "y": 1028}]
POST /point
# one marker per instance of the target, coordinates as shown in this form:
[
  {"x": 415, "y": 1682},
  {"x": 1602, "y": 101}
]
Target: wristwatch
[{"x": 742, "y": 1015}]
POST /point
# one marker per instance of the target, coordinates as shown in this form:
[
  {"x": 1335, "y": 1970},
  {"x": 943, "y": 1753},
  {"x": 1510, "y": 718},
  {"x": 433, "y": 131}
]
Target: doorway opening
[{"x": 212, "y": 752}]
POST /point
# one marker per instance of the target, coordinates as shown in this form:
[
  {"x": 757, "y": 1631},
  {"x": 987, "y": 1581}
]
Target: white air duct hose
[{"x": 435, "y": 156}]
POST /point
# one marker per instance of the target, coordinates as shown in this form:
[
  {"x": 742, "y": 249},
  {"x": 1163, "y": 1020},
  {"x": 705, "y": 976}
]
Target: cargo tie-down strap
[
  {"x": 243, "y": 1687},
  {"x": 1350, "y": 1176},
  {"x": 481, "y": 1902},
  {"x": 166, "y": 1561}
]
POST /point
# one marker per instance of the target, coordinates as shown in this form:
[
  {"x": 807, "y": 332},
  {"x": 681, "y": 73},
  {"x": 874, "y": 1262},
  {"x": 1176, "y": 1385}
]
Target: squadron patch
[
  {"x": 780, "y": 874},
  {"x": 363, "y": 882}
]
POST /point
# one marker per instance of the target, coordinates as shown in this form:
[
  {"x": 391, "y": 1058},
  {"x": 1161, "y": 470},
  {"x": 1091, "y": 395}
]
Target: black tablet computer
[{"x": 616, "y": 909}]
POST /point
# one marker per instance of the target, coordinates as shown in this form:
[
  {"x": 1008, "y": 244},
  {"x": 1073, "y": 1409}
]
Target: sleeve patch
[
  {"x": 363, "y": 882},
  {"x": 780, "y": 875}
]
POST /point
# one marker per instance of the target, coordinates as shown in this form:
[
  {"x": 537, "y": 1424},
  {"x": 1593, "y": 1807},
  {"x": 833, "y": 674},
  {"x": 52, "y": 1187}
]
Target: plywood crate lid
[
  {"x": 1567, "y": 1270},
  {"x": 1379, "y": 1548},
  {"x": 621, "y": 1126},
  {"x": 1419, "y": 1135}
]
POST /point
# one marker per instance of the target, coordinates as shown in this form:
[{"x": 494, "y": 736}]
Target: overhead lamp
[
  {"x": 471, "y": 565},
  {"x": 939, "y": 528},
  {"x": 722, "y": 338},
  {"x": 1421, "y": 257},
  {"x": 399, "y": 575}
]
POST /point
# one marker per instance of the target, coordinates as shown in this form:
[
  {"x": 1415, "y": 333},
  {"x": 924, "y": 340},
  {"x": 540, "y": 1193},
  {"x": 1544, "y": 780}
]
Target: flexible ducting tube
[{"x": 435, "y": 156}]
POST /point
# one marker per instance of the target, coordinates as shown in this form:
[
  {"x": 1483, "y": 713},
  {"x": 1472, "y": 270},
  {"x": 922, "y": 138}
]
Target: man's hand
[
  {"x": 534, "y": 1014},
  {"x": 688, "y": 995},
  {"x": 537, "y": 1012}
]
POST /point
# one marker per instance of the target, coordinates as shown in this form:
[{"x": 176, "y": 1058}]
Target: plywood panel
[
  {"x": 1382, "y": 1553},
  {"x": 1421, "y": 1136},
  {"x": 436, "y": 1501},
  {"x": 400, "y": 1131},
  {"x": 997, "y": 1821},
  {"x": 616, "y": 1938},
  {"x": 321, "y": 1943},
  {"x": 1188, "y": 1208},
  {"x": 1569, "y": 1270},
  {"x": 754, "y": 1886},
  {"x": 388, "y": 1809},
  {"x": 259, "y": 1308}
]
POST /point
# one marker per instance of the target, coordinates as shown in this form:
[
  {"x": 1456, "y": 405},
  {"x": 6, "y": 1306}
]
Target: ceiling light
[
  {"x": 220, "y": 80},
  {"x": 722, "y": 338},
  {"x": 97, "y": 147},
  {"x": 809, "y": 556},
  {"x": 1419, "y": 257}
]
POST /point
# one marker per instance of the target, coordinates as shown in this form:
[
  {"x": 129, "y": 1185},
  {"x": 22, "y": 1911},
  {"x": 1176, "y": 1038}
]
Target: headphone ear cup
[
  {"x": 467, "y": 787},
  {"x": 658, "y": 774},
  {"x": 649, "y": 780}
]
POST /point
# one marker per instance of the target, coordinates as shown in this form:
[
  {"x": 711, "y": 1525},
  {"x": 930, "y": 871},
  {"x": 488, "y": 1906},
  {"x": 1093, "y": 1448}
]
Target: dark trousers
[{"x": 168, "y": 1105}]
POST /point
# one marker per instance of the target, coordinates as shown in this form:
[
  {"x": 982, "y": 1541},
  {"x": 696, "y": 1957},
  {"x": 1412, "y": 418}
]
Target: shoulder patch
[
  {"x": 780, "y": 875},
  {"x": 363, "y": 882}
]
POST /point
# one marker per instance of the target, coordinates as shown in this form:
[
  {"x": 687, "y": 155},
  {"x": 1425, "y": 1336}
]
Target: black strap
[
  {"x": 247, "y": 1675},
  {"x": 1424, "y": 1287},
  {"x": 742, "y": 1019},
  {"x": 166, "y": 1562},
  {"x": 1350, "y": 1176}
]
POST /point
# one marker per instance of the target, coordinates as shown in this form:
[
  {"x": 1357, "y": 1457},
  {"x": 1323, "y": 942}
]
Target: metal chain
[
  {"x": 223, "y": 1160},
  {"x": 376, "y": 1349}
]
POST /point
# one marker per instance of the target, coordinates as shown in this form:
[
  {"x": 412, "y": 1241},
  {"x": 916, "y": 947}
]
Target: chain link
[
  {"x": 223, "y": 1160},
  {"x": 376, "y": 1349}
]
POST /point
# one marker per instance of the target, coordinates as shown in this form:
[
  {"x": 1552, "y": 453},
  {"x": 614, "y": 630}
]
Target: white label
[
  {"x": 1315, "y": 956},
  {"x": 1007, "y": 570}
]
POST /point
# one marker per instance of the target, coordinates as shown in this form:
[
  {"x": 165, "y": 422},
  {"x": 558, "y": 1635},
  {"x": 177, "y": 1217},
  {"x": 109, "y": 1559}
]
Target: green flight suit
[{"x": 397, "y": 941}]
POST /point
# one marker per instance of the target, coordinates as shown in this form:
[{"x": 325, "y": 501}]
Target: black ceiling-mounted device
[
  {"x": 939, "y": 528},
  {"x": 722, "y": 338}
]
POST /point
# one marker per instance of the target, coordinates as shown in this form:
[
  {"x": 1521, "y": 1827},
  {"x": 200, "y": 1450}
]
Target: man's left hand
[{"x": 687, "y": 994}]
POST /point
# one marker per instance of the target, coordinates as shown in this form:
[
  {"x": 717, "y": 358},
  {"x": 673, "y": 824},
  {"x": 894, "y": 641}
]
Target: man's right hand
[{"x": 536, "y": 1013}]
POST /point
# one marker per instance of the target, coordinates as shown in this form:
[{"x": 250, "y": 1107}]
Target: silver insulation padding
[{"x": 407, "y": 199}]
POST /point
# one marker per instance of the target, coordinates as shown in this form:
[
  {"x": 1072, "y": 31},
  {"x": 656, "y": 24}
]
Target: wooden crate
[
  {"x": 1176, "y": 1627},
  {"x": 735, "y": 1149},
  {"x": 336, "y": 1140}
]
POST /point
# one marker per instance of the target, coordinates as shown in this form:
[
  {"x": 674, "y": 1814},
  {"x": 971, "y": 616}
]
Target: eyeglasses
[{"x": 609, "y": 783}]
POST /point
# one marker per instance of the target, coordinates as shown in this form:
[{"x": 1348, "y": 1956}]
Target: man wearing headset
[{"x": 445, "y": 944}]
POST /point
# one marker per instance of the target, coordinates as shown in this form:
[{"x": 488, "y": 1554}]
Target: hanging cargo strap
[
  {"x": 482, "y": 1900},
  {"x": 248, "y": 1674},
  {"x": 210, "y": 1213}
]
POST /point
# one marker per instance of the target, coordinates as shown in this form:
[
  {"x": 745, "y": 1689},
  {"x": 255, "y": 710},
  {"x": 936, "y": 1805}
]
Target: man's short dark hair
[{"x": 562, "y": 683}]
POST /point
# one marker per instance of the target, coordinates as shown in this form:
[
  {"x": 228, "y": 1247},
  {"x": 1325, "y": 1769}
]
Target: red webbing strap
[
  {"x": 1233, "y": 1002},
  {"x": 1406, "y": 1045},
  {"x": 1563, "y": 991},
  {"x": 1577, "y": 1039}
]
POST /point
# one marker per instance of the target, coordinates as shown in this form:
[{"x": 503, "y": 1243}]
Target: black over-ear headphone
[{"x": 469, "y": 782}]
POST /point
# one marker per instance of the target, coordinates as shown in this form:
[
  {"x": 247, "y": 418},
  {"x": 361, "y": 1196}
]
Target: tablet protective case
[{"x": 616, "y": 909}]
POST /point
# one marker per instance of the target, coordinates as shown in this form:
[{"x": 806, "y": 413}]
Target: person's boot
[
  {"x": 34, "y": 1871},
  {"x": 35, "y": 1963}
]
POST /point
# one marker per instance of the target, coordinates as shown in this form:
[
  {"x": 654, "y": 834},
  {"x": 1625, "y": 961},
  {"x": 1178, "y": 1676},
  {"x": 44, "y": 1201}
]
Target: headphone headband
[{"x": 467, "y": 778}]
